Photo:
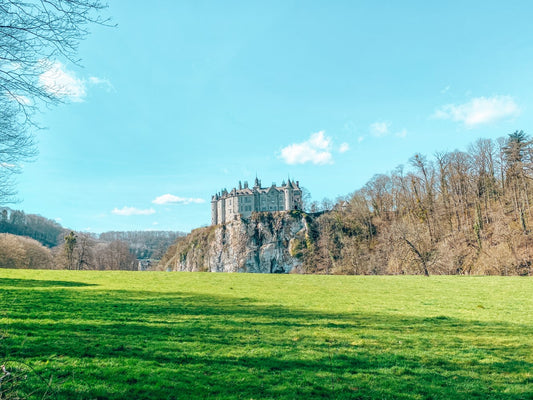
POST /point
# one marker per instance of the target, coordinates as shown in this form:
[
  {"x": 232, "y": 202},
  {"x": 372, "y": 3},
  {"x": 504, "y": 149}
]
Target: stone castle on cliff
[{"x": 243, "y": 201}]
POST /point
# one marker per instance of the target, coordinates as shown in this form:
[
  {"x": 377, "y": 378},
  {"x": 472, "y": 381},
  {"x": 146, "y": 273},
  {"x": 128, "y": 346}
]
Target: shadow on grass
[
  {"x": 97, "y": 344},
  {"x": 36, "y": 283}
]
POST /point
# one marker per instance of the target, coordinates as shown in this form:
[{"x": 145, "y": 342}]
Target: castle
[{"x": 228, "y": 206}]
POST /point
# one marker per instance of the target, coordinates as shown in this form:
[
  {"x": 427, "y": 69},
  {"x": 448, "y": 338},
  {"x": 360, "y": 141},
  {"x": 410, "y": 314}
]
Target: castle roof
[{"x": 246, "y": 191}]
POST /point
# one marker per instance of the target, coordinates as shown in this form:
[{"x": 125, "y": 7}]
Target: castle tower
[
  {"x": 221, "y": 210},
  {"x": 288, "y": 195},
  {"x": 214, "y": 213}
]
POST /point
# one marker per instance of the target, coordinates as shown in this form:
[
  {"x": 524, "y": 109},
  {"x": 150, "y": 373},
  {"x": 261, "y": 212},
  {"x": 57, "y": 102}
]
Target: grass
[{"x": 130, "y": 335}]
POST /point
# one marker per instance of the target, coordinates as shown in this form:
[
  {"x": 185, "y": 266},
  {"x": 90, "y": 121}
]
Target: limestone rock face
[{"x": 263, "y": 243}]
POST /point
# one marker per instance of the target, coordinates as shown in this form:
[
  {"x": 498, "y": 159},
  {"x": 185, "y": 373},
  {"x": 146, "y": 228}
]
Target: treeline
[
  {"x": 144, "y": 244},
  {"x": 32, "y": 241},
  {"x": 44, "y": 230},
  {"x": 81, "y": 251},
  {"x": 24, "y": 252},
  {"x": 459, "y": 212},
  {"x": 78, "y": 252}
]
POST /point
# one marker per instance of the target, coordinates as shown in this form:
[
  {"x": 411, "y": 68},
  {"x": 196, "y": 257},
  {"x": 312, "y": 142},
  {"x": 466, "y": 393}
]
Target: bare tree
[
  {"x": 16, "y": 144},
  {"x": 34, "y": 35},
  {"x": 117, "y": 256},
  {"x": 70, "y": 244},
  {"x": 23, "y": 252},
  {"x": 84, "y": 251},
  {"x": 517, "y": 152}
]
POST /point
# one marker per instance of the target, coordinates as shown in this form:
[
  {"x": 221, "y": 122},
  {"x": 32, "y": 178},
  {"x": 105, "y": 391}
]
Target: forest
[
  {"x": 458, "y": 212},
  {"x": 32, "y": 241}
]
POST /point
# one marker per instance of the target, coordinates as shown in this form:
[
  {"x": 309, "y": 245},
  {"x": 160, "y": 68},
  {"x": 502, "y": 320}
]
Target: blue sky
[{"x": 184, "y": 98}]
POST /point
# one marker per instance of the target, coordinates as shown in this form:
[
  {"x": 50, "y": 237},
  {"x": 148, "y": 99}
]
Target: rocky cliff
[{"x": 263, "y": 243}]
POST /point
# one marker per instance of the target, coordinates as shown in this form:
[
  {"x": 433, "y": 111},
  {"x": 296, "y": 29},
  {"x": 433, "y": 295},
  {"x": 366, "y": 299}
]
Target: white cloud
[
  {"x": 480, "y": 110},
  {"x": 360, "y": 139},
  {"x": 60, "y": 82},
  {"x": 99, "y": 81},
  {"x": 380, "y": 129},
  {"x": 106, "y": 83},
  {"x": 316, "y": 150},
  {"x": 344, "y": 147},
  {"x": 127, "y": 211},
  {"x": 171, "y": 199}
]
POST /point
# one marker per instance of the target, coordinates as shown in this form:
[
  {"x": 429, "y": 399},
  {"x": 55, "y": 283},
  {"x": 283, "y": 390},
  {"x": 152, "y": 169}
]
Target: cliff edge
[{"x": 262, "y": 243}]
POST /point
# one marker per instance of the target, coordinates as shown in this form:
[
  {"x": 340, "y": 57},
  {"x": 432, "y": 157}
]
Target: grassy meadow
[{"x": 154, "y": 335}]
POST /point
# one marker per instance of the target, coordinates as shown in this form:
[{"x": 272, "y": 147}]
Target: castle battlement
[{"x": 243, "y": 200}]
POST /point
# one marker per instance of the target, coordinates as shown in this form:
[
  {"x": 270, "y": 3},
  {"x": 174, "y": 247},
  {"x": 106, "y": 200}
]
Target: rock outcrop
[{"x": 263, "y": 243}]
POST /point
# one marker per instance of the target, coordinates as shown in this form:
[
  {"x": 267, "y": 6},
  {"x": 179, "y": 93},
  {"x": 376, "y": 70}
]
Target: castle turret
[
  {"x": 221, "y": 211},
  {"x": 288, "y": 196},
  {"x": 214, "y": 213}
]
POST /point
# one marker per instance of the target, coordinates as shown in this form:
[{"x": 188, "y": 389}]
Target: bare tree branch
[{"x": 34, "y": 34}]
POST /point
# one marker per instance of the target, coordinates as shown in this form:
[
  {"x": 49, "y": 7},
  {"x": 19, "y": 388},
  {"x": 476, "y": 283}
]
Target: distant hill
[
  {"x": 44, "y": 230},
  {"x": 144, "y": 244}
]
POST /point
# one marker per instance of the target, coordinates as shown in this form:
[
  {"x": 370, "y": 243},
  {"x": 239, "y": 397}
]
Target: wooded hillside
[
  {"x": 144, "y": 244},
  {"x": 458, "y": 212},
  {"x": 32, "y": 241},
  {"x": 44, "y": 230}
]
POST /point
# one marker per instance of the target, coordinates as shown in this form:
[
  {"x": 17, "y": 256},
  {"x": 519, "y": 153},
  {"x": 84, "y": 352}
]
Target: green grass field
[{"x": 131, "y": 335}]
